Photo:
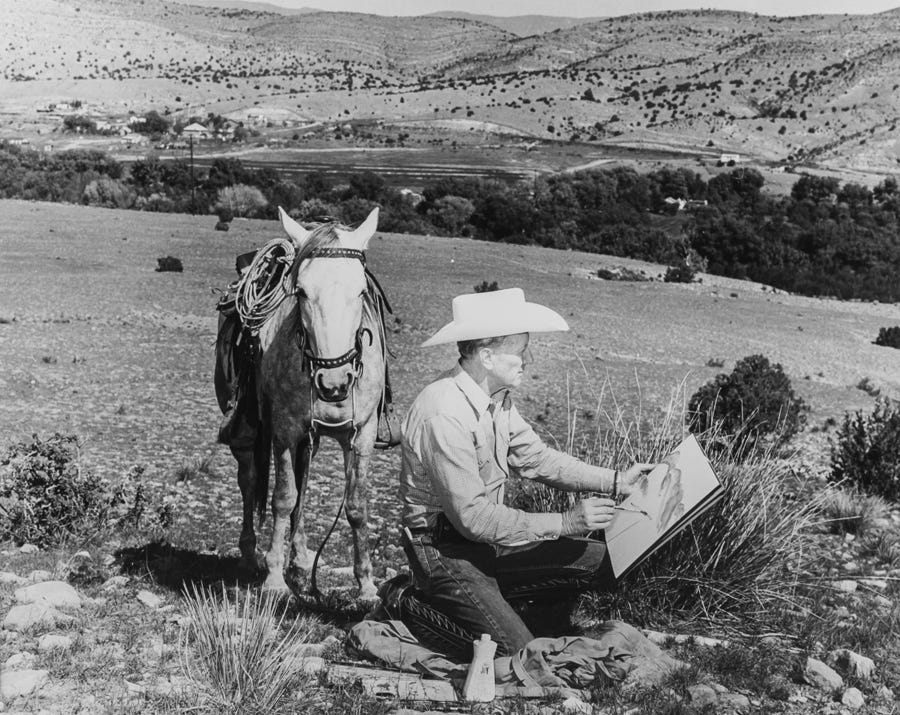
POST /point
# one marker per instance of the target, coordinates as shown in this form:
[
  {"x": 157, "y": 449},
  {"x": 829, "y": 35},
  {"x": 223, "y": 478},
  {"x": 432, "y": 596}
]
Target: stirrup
[{"x": 388, "y": 429}]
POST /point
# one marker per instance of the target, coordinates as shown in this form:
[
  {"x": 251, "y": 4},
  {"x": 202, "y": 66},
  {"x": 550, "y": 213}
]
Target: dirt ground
[{"x": 95, "y": 342}]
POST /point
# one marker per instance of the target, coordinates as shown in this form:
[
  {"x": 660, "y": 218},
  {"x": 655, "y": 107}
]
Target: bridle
[{"x": 312, "y": 363}]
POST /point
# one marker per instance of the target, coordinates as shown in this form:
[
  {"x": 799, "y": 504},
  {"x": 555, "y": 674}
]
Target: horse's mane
[{"x": 324, "y": 234}]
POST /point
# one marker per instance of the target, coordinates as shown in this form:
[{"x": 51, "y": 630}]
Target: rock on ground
[
  {"x": 15, "y": 683},
  {"x": 58, "y": 594},
  {"x": 850, "y": 663},
  {"x": 822, "y": 676},
  {"x": 853, "y": 698},
  {"x": 21, "y": 618}
]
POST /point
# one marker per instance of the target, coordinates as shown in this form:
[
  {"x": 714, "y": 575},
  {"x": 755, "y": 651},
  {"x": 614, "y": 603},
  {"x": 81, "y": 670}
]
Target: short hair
[{"x": 468, "y": 348}]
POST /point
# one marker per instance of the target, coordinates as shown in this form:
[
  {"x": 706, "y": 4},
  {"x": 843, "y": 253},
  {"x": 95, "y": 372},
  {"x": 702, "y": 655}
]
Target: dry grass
[
  {"x": 851, "y": 511},
  {"x": 244, "y": 656}
]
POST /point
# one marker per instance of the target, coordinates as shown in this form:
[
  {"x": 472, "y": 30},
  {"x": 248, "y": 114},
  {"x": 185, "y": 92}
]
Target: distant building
[
  {"x": 726, "y": 158},
  {"x": 20, "y": 142},
  {"x": 195, "y": 131}
]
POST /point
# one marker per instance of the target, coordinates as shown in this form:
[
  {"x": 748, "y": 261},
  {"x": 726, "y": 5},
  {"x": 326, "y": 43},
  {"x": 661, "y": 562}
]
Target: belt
[{"x": 443, "y": 530}]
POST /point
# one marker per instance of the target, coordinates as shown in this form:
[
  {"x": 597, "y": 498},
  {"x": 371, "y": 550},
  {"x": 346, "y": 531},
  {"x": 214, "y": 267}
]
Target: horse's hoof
[{"x": 368, "y": 594}]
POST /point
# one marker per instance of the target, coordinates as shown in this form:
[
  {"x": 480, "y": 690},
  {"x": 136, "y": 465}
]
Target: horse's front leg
[
  {"x": 356, "y": 465},
  {"x": 284, "y": 498},
  {"x": 302, "y": 557}
]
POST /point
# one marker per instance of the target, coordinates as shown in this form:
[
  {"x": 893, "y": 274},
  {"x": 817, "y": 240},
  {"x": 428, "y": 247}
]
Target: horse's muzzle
[{"x": 334, "y": 385}]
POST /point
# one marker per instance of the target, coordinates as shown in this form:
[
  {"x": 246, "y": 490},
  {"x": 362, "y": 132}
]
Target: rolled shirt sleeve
[
  {"x": 531, "y": 458},
  {"x": 449, "y": 455}
]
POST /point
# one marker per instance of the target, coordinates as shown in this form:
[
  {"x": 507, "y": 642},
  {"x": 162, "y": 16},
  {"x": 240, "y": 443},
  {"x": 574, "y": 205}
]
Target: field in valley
[{"x": 95, "y": 342}]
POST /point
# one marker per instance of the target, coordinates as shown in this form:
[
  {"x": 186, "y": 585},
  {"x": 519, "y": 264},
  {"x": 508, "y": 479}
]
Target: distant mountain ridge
[
  {"x": 521, "y": 25},
  {"x": 820, "y": 88}
]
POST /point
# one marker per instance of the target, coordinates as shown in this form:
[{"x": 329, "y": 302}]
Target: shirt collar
[{"x": 477, "y": 397}]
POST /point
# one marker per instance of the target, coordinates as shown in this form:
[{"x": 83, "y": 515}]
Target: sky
[{"x": 593, "y": 8}]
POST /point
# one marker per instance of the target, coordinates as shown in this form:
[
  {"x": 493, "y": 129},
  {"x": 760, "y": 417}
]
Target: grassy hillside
[{"x": 811, "y": 89}]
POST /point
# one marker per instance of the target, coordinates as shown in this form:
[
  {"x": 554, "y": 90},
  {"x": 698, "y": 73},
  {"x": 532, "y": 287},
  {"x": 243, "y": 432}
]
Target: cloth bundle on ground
[{"x": 614, "y": 651}]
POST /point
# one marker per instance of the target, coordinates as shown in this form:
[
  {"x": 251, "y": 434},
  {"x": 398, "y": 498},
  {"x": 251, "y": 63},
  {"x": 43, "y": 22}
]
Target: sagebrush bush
[
  {"x": 889, "y": 337},
  {"x": 168, "y": 264},
  {"x": 47, "y": 497},
  {"x": 866, "y": 450},
  {"x": 485, "y": 287},
  {"x": 754, "y": 403}
]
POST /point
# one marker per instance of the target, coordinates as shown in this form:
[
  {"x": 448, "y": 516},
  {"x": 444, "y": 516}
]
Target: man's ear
[{"x": 486, "y": 357}]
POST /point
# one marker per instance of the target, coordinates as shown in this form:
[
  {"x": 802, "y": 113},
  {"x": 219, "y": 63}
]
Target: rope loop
[{"x": 265, "y": 284}]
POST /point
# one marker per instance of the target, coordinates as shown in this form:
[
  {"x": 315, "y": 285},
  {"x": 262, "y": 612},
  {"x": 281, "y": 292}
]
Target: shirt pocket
[{"x": 483, "y": 452}]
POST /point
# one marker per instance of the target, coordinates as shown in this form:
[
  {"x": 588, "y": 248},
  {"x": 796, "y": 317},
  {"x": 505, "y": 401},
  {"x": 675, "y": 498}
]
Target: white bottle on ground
[{"x": 480, "y": 686}]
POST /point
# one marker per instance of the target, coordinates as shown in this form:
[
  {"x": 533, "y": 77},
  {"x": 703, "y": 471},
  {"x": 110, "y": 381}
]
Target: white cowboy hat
[{"x": 496, "y": 313}]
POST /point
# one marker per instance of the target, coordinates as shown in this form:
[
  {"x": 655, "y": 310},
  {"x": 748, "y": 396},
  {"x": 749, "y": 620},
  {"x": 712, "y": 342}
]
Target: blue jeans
[{"x": 473, "y": 583}]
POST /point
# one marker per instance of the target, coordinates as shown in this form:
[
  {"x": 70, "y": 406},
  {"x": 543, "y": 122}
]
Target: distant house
[
  {"x": 20, "y": 142},
  {"x": 733, "y": 158},
  {"x": 195, "y": 131}
]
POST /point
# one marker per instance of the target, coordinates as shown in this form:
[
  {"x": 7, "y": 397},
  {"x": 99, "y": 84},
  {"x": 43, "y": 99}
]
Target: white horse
[{"x": 319, "y": 370}]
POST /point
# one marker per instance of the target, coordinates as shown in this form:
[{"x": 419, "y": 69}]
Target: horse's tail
[{"x": 262, "y": 451}]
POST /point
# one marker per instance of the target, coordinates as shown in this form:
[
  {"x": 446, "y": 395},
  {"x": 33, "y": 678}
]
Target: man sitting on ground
[{"x": 462, "y": 437}]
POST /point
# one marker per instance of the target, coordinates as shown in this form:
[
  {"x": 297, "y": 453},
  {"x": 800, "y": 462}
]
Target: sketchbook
[{"x": 667, "y": 499}]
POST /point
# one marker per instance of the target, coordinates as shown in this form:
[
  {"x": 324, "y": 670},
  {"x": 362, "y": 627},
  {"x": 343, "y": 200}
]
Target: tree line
[{"x": 824, "y": 238}]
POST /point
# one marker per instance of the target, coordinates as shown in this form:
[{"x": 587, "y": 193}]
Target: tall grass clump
[
  {"x": 740, "y": 558},
  {"x": 245, "y": 657},
  {"x": 866, "y": 450},
  {"x": 848, "y": 511}
]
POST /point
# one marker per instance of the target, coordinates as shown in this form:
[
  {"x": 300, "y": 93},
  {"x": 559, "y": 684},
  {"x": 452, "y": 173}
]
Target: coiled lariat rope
[{"x": 265, "y": 283}]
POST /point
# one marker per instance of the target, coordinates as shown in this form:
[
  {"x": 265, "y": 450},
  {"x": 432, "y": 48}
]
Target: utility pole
[{"x": 191, "y": 144}]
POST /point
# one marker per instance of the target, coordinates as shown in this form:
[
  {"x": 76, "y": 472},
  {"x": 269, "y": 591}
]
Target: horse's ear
[
  {"x": 293, "y": 229},
  {"x": 359, "y": 238}
]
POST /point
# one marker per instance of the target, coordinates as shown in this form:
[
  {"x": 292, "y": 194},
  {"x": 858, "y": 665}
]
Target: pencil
[{"x": 628, "y": 508}]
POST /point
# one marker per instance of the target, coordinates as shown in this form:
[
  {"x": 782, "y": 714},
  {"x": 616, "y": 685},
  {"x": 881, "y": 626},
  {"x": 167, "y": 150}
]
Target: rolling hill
[{"x": 816, "y": 89}]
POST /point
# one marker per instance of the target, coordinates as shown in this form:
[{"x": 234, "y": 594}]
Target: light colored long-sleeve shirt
[{"x": 458, "y": 450}]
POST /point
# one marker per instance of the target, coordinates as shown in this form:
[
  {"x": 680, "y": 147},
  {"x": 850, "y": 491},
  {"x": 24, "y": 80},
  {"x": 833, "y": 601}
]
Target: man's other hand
[
  {"x": 635, "y": 478},
  {"x": 588, "y": 515}
]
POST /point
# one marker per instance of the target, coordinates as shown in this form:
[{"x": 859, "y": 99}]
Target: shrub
[
  {"x": 680, "y": 273},
  {"x": 485, "y": 287},
  {"x": 169, "y": 264},
  {"x": 866, "y": 451},
  {"x": 222, "y": 226},
  {"x": 109, "y": 193},
  {"x": 241, "y": 199},
  {"x": 755, "y": 402},
  {"x": 46, "y": 496},
  {"x": 225, "y": 214},
  {"x": 889, "y": 337}
]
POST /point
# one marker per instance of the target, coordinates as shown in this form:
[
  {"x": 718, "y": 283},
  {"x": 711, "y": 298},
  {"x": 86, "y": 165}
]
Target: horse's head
[{"x": 330, "y": 283}]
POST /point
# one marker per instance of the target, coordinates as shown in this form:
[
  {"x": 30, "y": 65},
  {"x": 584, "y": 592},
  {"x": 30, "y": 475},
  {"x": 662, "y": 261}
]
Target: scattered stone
[
  {"x": 16, "y": 683},
  {"x": 115, "y": 582},
  {"x": 850, "y": 566},
  {"x": 719, "y": 688},
  {"x": 313, "y": 665},
  {"x": 852, "y": 698},
  {"x": 842, "y": 612},
  {"x": 54, "y": 642},
  {"x": 149, "y": 599},
  {"x": 885, "y": 693},
  {"x": 39, "y": 575},
  {"x": 846, "y": 586},
  {"x": 135, "y": 688},
  {"x": 822, "y": 676},
  {"x": 8, "y": 578},
  {"x": 109, "y": 560},
  {"x": 31, "y": 615},
  {"x": 733, "y": 701},
  {"x": 389, "y": 573},
  {"x": 883, "y": 601},
  {"x": 28, "y": 549},
  {"x": 853, "y": 664},
  {"x": 18, "y": 661},
  {"x": 52, "y": 593},
  {"x": 797, "y": 698},
  {"x": 702, "y": 695}
]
